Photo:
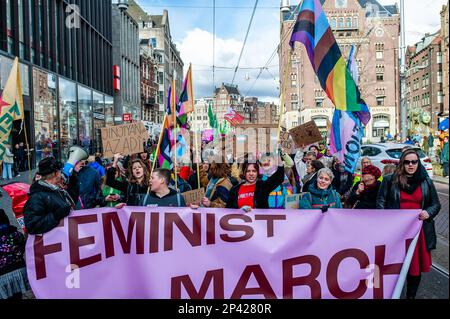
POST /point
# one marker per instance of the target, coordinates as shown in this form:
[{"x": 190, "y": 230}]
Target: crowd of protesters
[{"x": 259, "y": 182}]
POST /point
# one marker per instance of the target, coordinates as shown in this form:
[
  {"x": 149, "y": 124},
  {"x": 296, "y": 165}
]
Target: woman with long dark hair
[
  {"x": 135, "y": 187},
  {"x": 410, "y": 187}
]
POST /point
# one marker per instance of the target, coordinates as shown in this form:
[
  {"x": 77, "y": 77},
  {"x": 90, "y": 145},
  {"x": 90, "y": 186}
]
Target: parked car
[{"x": 389, "y": 153}]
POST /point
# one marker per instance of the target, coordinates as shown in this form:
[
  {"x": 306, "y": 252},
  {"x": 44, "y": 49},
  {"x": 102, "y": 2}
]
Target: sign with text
[
  {"x": 126, "y": 117},
  {"x": 127, "y": 139},
  {"x": 293, "y": 201},
  {"x": 194, "y": 197},
  {"x": 306, "y": 134},
  {"x": 286, "y": 142},
  {"x": 162, "y": 253}
]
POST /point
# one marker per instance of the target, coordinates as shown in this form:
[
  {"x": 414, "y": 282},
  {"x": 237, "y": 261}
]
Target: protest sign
[
  {"x": 286, "y": 142},
  {"x": 306, "y": 134},
  {"x": 163, "y": 253},
  {"x": 127, "y": 139},
  {"x": 194, "y": 197},
  {"x": 293, "y": 201}
]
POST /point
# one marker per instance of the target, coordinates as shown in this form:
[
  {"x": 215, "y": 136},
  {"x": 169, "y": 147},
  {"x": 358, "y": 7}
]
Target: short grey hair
[{"x": 327, "y": 171}]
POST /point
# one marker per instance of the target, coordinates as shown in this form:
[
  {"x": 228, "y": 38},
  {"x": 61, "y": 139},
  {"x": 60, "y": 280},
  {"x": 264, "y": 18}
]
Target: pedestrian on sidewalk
[
  {"x": 430, "y": 141},
  {"x": 444, "y": 156},
  {"x": 16, "y": 166},
  {"x": 8, "y": 162},
  {"x": 13, "y": 273},
  {"x": 410, "y": 187}
]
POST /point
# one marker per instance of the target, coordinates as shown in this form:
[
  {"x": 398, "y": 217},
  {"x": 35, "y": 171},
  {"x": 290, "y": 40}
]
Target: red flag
[{"x": 233, "y": 117}]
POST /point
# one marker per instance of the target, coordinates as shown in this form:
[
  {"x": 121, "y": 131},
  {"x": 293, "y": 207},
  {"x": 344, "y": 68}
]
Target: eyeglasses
[{"x": 406, "y": 162}]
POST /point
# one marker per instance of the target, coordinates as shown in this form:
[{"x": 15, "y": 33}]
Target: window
[
  {"x": 333, "y": 23},
  {"x": 440, "y": 97},
  {"x": 68, "y": 116},
  {"x": 109, "y": 110},
  {"x": 160, "y": 79},
  {"x": 355, "y": 22},
  {"x": 380, "y": 101},
  {"x": 379, "y": 55},
  {"x": 294, "y": 97},
  {"x": 341, "y": 23},
  {"x": 439, "y": 77},
  {"x": 85, "y": 117},
  {"x": 380, "y": 77},
  {"x": 319, "y": 102},
  {"x": 348, "y": 23},
  {"x": 439, "y": 57},
  {"x": 294, "y": 106}
]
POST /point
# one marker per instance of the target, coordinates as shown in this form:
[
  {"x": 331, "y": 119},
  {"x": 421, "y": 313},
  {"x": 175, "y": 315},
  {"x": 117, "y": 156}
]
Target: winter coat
[
  {"x": 318, "y": 199},
  {"x": 133, "y": 193},
  {"x": 220, "y": 194},
  {"x": 85, "y": 188},
  {"x": 99, "y": 168},
  {"x": 365, "y": 200},
  {"x": 262, "y": 190},
  {"x": 342, "y": 187},
  {"x": 389, "y": 198},
  {"x": 45, "y": 208},
  {"x": 182, "y": 186},
  {"x": 12, "y": 249},
  {"x": 444, "y": 154},
  {"x": 173, "y": 199},
  {"x": 8, "y": 158}
]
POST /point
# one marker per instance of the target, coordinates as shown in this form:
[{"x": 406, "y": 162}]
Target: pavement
[{"x": 435, "y": 284}]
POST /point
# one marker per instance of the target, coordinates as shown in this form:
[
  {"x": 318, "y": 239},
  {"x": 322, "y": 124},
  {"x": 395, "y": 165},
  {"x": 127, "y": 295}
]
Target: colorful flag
[
  {"x": 233, "y": 117},
  {"x": 171, "y": 104},
  {"x": 212, "y": 118},
  {"x": 11, "y": 106},
  {"x": 186, "y": 104},
  {"x": 313, "y": 30},
  {"x": 347, "y": 131}
]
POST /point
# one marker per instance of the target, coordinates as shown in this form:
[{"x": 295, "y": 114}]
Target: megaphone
[{"x": 76, "y": 154}]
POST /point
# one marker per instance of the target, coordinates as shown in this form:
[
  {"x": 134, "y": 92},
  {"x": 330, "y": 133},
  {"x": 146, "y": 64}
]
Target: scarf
[
  {"x": 415, "y": 180},
  {"x": 321, "y": 193},
  {"x": 308, "y": 177},
  {"x": 210, "y": 187}
]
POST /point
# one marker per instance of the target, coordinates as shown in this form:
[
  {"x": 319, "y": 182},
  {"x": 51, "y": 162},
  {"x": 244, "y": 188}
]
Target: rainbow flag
[
  {"x": 313, "y": 30},
  {"x": 11, "y": 106},
  {"x": 186, "y": 103},
  {"x": 164, "y": 158}
]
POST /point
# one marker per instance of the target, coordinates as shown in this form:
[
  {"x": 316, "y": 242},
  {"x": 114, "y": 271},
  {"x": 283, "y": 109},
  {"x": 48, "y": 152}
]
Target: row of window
[{"x": 338, "y": 23}]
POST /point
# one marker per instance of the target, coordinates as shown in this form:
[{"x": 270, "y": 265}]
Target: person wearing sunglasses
[{"x": 410, "y": 187}]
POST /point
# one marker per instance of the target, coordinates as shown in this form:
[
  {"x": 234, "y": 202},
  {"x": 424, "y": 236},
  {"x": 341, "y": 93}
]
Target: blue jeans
[
  {"x": 445, "y": 166},
  {"x": 7, "y": 171}
]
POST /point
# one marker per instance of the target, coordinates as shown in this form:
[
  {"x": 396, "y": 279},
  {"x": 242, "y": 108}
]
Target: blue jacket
[
  {"x": 316, "y": 198},
  {"x": 85, "y": 188},
  {"x": 100, "y": 169}
]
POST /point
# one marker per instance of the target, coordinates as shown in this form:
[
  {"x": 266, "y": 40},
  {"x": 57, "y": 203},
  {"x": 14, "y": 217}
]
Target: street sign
[{"x": 126, "y": 117}]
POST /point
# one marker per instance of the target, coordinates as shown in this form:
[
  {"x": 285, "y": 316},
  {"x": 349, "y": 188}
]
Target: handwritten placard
[
  {"x": 293, "y": 201},
  {"x": 286, "y": 142},
  {"x": 194, "y": 197},
  {"x": 127, "y": 139},
  {"x": 306, "y": 134}
]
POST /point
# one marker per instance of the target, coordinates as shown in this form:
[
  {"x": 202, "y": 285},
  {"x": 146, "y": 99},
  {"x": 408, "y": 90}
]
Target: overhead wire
[{"x": 245, "y": 41}]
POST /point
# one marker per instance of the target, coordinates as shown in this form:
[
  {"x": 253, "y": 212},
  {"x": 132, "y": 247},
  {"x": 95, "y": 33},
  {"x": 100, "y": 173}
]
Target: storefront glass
[
  {"x": 45, "y": 115},
  {"x": 85, "y": 118},
  {"x": 68, "y": 116},
  {"x": 99, "y": 120},
  {"x": 109, "y": 110}
]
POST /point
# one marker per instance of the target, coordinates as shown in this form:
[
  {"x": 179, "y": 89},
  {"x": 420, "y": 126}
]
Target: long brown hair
[
  {"x": 220, "y": 170},
  {"x": 400, "y": 175},
  {"x": 245, "y": 168},
  {"x": 146, "y": 179}
]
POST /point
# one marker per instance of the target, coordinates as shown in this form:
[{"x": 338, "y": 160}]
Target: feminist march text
[{"x": 167, "y": 253}]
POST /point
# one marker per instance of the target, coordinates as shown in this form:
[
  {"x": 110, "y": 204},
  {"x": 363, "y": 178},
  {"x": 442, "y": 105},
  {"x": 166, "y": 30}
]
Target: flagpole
[
  {"x": 159, "y": 145},
  {"x": 175, "y": 125},
  {"x": 195, "y": 130}
]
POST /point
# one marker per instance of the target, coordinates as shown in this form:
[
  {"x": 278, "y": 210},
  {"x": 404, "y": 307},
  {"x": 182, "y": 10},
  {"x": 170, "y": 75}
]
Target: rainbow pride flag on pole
[
  {"x": 186, "y": 103},
  {"x": 11, "y": 106},
  {"x": 313, "y": 30}
]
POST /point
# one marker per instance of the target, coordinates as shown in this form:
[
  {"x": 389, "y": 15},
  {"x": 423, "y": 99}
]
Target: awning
[{"x": 443, "y": 125}]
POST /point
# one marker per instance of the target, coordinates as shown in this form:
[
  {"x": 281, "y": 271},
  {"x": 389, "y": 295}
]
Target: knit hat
[{"x": 372, "y": 170}]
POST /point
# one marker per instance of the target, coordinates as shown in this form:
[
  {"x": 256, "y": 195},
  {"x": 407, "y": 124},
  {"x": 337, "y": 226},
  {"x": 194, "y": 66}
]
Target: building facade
[
  {"x": 445, "y": 63},
  {"x": 424, "y": 84},
  {"x": 156, "y": 29},
  {"x": 227, "y": 96},
  {"x": 149, "y": 87},
  {"x": 65, "y": 53},
  {"x": 374, "y": 30},
  {"x": 125, "y": 36},
  {"x": 199, "y": 119}
]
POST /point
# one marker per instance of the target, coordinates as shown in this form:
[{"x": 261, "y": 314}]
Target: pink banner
[{"x": 167, "y": 253}]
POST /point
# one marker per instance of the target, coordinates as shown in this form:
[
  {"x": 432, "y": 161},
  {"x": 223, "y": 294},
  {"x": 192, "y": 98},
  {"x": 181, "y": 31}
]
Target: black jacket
[
  {"x": 173, "y": 199},
  {"x": 133, "y": 193},
  {"x": 85, "y": 188},
  {"x": 45, "y": 208},
  {"x": 365, "y": 200},
  {"x": 342, "y": 187},
  {"x": 262, "y": 190},
  {"x": 389, "y": 198}
]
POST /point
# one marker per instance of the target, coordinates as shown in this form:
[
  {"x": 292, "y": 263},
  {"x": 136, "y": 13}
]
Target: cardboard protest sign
[
  {"x": 306, "y": 134},
  {"x": 293, "y": 201},
  {"x": 194, "y": 197},
  {"x": 127, "y": 139},
  {"x": 286, "y": 142}
]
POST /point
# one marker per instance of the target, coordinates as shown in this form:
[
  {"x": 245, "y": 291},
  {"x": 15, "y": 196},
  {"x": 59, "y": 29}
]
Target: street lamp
[{"x": 122, "y": 5}]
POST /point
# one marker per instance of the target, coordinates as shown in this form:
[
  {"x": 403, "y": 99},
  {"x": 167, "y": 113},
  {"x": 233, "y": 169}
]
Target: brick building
[
  {"x": 424, "y": 83},
  {"x": 149, "y": 87},
  {"x": 445, "y": 55},
  {"x": 374, "y": 30},
  {"x": 225, "y": 96}
]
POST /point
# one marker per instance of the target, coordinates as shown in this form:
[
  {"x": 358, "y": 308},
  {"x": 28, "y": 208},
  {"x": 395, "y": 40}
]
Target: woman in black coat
[
  {"x": 253, "y": 192},
  {"x": 410, "y": 187},
  {"x": 364, "y": 194}
]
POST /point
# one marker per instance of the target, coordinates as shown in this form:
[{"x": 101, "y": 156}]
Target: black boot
[{"x": 412, "y": 285}]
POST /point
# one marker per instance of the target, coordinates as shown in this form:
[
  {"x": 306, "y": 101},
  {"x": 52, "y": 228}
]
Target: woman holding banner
[
  {"x": 253, "y": 192},
  {"x": 410, "y": 187},
  {"x": 321, "y": 194},
  {"x": 136, "y": 187}
]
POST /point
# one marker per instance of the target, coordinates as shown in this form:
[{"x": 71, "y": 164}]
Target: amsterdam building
[
  {"x": 374, "y": 29},
  {"x": 65, "y": 53}
]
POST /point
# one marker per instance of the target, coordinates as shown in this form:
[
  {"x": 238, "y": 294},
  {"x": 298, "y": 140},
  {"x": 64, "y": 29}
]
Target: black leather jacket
[{"x": 389, "y": 198}]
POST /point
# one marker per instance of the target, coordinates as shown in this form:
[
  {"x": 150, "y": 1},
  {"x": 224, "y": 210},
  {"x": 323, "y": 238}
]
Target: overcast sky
[{"x": 191, "y": 24}]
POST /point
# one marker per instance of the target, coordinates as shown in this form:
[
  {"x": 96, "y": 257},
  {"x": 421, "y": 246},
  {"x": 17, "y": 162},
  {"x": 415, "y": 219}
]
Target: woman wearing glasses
[
  {"x": 364, "y": 194},
  {"x": 411, "y": 188}
]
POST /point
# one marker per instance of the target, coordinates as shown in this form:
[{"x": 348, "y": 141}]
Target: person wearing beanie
[
  {"x": 48, "y": 203},
  {"x": 364, "y": 194}
]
